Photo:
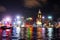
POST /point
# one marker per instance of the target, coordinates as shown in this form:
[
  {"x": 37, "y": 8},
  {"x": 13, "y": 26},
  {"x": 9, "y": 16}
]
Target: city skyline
[{"x": 21, "y": 7}]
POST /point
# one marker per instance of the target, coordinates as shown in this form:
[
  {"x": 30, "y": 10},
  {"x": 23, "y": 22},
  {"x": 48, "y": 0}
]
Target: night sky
[{"x": 29, "y": 8}]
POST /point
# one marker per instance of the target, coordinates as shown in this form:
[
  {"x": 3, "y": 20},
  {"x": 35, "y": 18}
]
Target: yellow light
[
  {"x": 40, "y": 16},
  {"x": 2, "y": 24},
  {"x": 39, "y": 23},
  {"x": 29, "y": 18}
]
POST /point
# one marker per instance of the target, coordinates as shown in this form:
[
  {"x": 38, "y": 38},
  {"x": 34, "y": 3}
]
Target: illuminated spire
[
  {"x": 39, "y": 14},
  {"x": 39, "y": 11},
  {"x": 39, "y": 19}
]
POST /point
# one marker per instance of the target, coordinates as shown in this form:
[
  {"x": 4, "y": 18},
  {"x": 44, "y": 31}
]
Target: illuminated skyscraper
[{"x": 39, "y": 18}]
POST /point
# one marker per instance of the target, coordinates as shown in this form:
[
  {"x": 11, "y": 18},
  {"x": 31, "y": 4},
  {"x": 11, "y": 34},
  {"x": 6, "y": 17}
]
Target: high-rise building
[
  {"x": 39, "y": 25},
  {"x": 39, "y": 18}
]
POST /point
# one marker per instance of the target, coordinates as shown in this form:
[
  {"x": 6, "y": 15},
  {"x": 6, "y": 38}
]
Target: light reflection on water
[
  {"x": 46, "y": 34},
  {"x": 49, "y": 33},
  {"x": 50, "y": 30}
]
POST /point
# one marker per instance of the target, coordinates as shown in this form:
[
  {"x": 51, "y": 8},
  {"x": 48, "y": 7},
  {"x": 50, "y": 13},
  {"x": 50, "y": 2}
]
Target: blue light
[{"x": 49, "y": 17}]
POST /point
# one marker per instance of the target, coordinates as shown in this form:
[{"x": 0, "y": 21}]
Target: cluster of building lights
[
  {"x": 41, "y": 18},
  {"x": 18, "y": 19}
]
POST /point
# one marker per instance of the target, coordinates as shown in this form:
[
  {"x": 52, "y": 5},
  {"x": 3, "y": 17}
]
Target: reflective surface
[{"x": 35, "y": 33}]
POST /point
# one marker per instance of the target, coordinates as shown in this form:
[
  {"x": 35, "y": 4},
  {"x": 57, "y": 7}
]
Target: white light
[
  {"x": 7, "y": 29},
  {"x": 17, "y": 17},
  {"x": 23, "y": 25},
  {"x": 43, "y": 17},
  {"x": 18, "y": 22},
  {"x": 8, "y": 19},
  {"x": 14, "y": 23}
]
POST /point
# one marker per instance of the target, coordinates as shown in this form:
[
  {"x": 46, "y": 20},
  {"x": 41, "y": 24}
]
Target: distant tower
[{"x": 39, "y": 18}]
